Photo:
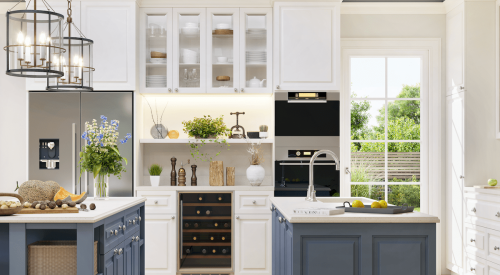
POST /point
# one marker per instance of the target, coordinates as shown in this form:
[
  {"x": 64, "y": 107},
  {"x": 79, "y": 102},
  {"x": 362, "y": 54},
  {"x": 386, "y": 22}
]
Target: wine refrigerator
[{"x": 205, "y": 227}]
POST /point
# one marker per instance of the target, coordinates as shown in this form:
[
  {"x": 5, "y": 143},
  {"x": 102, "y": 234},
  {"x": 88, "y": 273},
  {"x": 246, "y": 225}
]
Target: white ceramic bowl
[
  {"x": 222, "y": 59},
  {"x": 190, "y": 31}
]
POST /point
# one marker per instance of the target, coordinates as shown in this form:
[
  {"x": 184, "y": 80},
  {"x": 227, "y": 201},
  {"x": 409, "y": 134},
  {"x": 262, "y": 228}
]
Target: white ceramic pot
[
  {"x": 155, "y": 180},
  {"x": 256, "y": 174}
]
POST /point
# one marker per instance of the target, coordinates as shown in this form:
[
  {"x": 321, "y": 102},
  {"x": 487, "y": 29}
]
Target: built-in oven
[{"x": 306, "y": 122}]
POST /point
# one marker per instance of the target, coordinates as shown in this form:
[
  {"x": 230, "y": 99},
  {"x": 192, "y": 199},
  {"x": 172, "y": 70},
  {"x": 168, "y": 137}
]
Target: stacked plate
[
  {"x": 158, "y": 60},
  {"x": 189, "y": 56},
  {"x": 256, "y": 32},
  {"x": 156, "y": 81},
  {"x": 256, "y": 57},
  {"x": 191, "y": 29},
  {"x": 222, "y": 26}
]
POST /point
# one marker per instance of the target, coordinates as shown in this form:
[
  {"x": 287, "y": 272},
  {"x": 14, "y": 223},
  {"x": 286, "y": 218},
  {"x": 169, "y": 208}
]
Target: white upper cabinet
[
  {"x": 307, "y": 46},
  {"x": 112, "y": 26},
  {"x": 189, "y": 46},
  {"x": 455, "y": 50},
  {"x": 155, "y": 73},
  {"x": 223, "y": 50}
]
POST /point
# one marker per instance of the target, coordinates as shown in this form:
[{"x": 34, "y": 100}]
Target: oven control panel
[{"x": 303, "y": 154}]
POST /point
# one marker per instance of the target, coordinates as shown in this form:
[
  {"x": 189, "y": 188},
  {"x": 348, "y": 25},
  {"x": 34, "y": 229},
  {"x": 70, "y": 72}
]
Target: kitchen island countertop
[
  {"x": 104, "y": 209},
  {"x": 286, "y": 205}
]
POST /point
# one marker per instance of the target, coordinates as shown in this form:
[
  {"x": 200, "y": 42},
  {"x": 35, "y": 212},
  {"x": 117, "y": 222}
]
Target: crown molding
[
  {"x": 205, "y": 3},
  {"x": 392, "y": 8}
]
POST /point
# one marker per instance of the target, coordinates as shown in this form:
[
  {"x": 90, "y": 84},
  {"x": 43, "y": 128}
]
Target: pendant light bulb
[
  {"x": 27, "y": 42},
  {"x": 43, "y": 38},
  {"x": 20, "y": 38}
]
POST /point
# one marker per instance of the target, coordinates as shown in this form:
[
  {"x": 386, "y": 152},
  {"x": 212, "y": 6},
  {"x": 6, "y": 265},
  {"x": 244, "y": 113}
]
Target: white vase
[
  {"x": 256, "y": 174},
  {"x": 155, "y": 180}
]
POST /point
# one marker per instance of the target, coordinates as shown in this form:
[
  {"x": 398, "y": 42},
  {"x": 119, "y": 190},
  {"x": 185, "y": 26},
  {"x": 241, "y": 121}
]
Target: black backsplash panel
[{"x": 307, "y": 119}]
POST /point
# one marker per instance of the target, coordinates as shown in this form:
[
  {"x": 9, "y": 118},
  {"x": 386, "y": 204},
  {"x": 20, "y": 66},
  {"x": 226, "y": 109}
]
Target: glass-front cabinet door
[
  {"x": 156, "y": 50},
  {"x": 189, "y": 30},
  {"x": 223, "y": 50},
  {"x": 256, "y": 50}
]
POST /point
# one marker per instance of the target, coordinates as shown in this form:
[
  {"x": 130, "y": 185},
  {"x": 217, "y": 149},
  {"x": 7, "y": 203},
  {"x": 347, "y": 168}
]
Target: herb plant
[
  {"x": 205, "y": 128},
  {"x": 155, "y": 170}
]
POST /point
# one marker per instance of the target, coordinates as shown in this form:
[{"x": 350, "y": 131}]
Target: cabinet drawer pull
[
  {"x": 169, "y": 90},
  {"x": 472, "y": 240},
  {"x": 176, "y": 90},
  {"x": 271, "y": 208},
  {"x": 254, "y": 201},
  {"x": 242, "y": 90},
  {"x": 120, "y": 252},
  {"x": 156, "y": 202},
  {"x": 140, "y": 219},
  {"x": 124, "y": 228},
  {"x": 496, "y": 248},
  {"x": 116, "y": 232},
  {"x": 120, "y": 227},
  {"x": 129, "y": 222},
  {"x": 235, "y": 90},
  {"x": 173, "y": 217},
  {"x": 137, "y": 238},
  {"x": 280, "y": 219},
  {"x": 472, "y": 269},
  {"x": 112, "y": 232},
  {"x": 237, "y": 217},
  {"x": 473, "y": 210},
  {"x": 115, "y": 251},
  {"x": 277, "y": 87},
  {"x": 133, "y": 221},
  {"x": 497, "y": 214}
]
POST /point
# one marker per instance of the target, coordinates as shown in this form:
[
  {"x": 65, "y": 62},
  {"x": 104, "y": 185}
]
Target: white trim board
[{"x": 429, "y": 48}]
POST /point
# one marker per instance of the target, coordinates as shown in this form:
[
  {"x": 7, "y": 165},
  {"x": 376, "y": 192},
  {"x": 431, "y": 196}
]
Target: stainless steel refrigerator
[{"x": 56, "y": 123}]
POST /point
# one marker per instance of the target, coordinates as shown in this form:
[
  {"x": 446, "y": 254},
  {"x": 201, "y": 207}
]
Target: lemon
[
  {"x": 383, "y": 204},
  {"x": 376, "y": 204},
  {"x": 358, "y": 204}
]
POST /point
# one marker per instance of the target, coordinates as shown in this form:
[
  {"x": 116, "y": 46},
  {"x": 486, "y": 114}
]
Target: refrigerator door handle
[{"x": 73, "y": 156}]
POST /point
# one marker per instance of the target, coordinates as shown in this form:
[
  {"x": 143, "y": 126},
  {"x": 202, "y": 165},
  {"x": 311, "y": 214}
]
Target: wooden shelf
[
  {"x": 192, "y": 140},
  {"x": 207, "y": 244},
  {"x": 207, "y": 230},
  {"x": 207, "y": 204},
  {"x": 206, "y": 218},
  {"x": 208, "y": 256}
]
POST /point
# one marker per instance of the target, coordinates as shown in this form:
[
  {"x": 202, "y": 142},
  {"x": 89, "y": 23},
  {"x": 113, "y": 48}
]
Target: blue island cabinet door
[
  {"x": 282, "y": 245},
  {"x": 136, "y": 258},
  {"x": 109, "y": 265},
  {"x": 127, "y": 259},
  {"x": 119, "y": 265}
]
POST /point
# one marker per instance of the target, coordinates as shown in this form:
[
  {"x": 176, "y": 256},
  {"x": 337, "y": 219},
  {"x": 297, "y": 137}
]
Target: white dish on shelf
[
  {"x": 190, "y": 31},
  {"x": 191, "y": 25},
  {"x": 222, "y": 26}
]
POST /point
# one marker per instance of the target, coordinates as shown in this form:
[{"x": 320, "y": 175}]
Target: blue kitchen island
[
  {"x": 351, "y": 243},
  {"x": 117, "y": 225}
]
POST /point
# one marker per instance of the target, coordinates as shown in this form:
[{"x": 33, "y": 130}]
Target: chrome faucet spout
[{"x": 311, "y": 193}]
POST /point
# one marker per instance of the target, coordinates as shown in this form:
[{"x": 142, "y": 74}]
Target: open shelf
[{"x": 192, "y": 140}]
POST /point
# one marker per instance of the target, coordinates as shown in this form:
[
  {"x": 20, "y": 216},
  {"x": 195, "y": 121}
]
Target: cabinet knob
[
  {"x": 137, "y": 238},
  {"x": 472, "y": 269},
  {"x": 112, "y": 232},
  {"x": 277, "y": 87},
  {"x": 133, "y": 238},
  {"x": 472, "y": 240},
  {"x": 116, "y": 232},
  {"x": 462, "y": 177},
  {"x": 237, "y": 217},
  {"x": 169, "y": 90},
  {"x": 156, "y": 202},
  {"x": 133, "y": 221},
  {"x": 115, "y": 251},
  {"x": 120, "y": 227},
  {"x": 473, "y": 210},
  {"x": 254, "y": 201},
  {"x": 124, "y": 228},
  {"x": 462, "y": 88},
  {"x": 173, "y": 217},
  {"x": 271, "y": 208},
  {"x": 120, "y": 252},
  {"x": 235, "y": 90},
  {"x": 140, "y": 219},
  {"x": 176, "y": 90},
  {"x": 242, "y": 90},
  {"x": 497, "y": 214},
  {"x": 129, "y": 222},
  {"x": 280, "y": 219},
  {"x": 496, "y": 248}
]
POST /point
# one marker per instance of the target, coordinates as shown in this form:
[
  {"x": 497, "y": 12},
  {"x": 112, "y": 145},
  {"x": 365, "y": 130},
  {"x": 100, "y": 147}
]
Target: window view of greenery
[{"x": 387, "y": 158}]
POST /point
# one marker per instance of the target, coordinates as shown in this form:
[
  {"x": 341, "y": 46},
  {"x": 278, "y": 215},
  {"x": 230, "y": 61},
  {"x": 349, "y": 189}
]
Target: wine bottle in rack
[
  {"x": 201, "y": 197},
  {"x": 214, "y": 250},
  {"x": 196, "y": 225},
  {"x": 204, "y": 251},
  {"x": 224, "y": 251},
  {"x": 212, "y": 238},
  {"x": 187, "y": 225},
  {"x": 223, "y": 238},
  {"x": 208, "y": 211},
  {"x": 226, "y": 225},
  {"x": 199, "y": 211},
  {"x": 188, "y": 251},
  {"x": 216, "y": 224},
  {"x": 195, "y": 238}
]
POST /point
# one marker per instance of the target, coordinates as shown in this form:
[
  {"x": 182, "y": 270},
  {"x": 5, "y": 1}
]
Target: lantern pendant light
[
  {"x": 76, "y": 61},
  {"x": 34, "y": 42}
]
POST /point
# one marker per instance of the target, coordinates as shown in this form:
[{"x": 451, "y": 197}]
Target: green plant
[
  {"x": 206, "y": 128},
  {"x": 155, "y": 170}
]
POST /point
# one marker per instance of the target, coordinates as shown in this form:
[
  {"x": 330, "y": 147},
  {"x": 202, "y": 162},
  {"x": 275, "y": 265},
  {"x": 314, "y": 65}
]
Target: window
[{"x": 386, "y": 129}]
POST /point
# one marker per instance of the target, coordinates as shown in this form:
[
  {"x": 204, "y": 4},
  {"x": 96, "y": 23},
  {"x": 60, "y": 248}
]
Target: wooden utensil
[{"x": 11, "y": 211}]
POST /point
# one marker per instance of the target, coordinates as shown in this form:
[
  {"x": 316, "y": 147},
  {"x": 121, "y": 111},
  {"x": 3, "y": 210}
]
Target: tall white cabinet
[{"x": 307, "y": 46}]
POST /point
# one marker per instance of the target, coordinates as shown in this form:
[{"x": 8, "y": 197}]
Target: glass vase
[{"x": 101, "y": 187}]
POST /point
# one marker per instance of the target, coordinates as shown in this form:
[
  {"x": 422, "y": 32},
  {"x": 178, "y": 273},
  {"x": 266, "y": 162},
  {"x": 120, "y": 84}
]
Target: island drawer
[
  {"x": 252, "y": 202},
  {"x": 493, "y": 246},
  {"x": 159, "y": 202},
  {"x": 132, "y": 221},
  {"x": 114, "y": 232},
  {"x": 475, "y": 239}
]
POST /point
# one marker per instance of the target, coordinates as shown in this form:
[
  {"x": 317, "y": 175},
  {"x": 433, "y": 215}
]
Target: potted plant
[
  {"x": 100, "y": 155},
  {"x": 154, "y": 174},
  {"x": 255, "y": 173},
  {"x": 205, "y": 128}
]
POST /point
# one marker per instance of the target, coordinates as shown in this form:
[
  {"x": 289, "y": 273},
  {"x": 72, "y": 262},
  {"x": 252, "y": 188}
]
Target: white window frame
[{"x": 429, "y": 50}]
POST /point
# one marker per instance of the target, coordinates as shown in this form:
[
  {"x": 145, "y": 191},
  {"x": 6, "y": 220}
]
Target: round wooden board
[
  {"x": 222, "y": 32},
  {"x": 223, "y": 78}
]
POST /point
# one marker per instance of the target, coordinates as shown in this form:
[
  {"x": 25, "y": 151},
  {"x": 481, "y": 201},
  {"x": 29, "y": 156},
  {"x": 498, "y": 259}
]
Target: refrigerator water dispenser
[{"x": 49, "y": 153}]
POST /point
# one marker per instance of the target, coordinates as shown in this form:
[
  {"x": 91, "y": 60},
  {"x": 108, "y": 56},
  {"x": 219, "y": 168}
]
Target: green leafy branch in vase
[{"x": 206, "y": 129}]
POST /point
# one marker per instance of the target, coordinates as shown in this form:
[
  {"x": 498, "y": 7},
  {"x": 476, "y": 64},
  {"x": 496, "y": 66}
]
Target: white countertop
[
  {"x": 207, "y": 188},
  {"x": 286, "y": 205},
  {"x": 491, "y": 191},
  {"x": 103, "y": 210}
]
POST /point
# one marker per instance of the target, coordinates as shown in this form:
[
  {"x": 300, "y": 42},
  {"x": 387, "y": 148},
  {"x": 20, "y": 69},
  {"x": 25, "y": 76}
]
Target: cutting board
[
  {"x": 487, "y": 187},
  {"x": 57, "y": 210}
]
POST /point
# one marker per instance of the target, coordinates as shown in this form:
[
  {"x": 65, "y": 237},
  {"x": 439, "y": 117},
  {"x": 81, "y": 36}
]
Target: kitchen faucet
[{"x": 311, "y": 193}]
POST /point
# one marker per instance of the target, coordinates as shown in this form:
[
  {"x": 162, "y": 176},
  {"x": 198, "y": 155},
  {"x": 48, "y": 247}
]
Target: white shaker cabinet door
[
  {"x": 307, "y": 46},
  {"x": 161, "y": 243},
  {"x": 253, "y": 244},
  {"x": 112, "y": 26},
  {"x": 455, "y": 181}
]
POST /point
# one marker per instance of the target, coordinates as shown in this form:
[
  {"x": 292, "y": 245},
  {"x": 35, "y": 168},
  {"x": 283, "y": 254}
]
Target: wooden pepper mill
[
  {"x": 194, "y": 179},
  {"x": 182, "y": 176},
  {"x": 173, "y": 174}
]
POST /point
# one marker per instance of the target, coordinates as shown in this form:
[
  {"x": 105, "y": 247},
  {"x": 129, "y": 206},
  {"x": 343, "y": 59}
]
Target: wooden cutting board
[
  {"x": 487, "y": 187},
  {"x": 57, "y": 210}
]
